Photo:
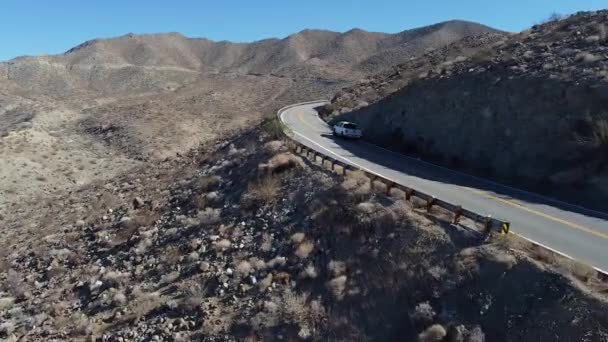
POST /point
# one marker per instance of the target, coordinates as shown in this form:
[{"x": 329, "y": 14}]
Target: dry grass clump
[
  {"x": 267, "y": 240},
  {"x": 337, "y": 286},
  {"x": 223, "y": 245},
  {"x": 304, "y": 249},
  {"x": 143, "y": 303},
  {"x": 15, "y": 286},
  {"x": 336, "y": 268},
  {"x": 434, "y": 333},
  {"x": 274, "y": 147},
  {"x": 587, "y": 58},
  {"x": 274, "y": 129},
  {"x": 119, "y": 299},
  {"x": 357, "y": 183},
  {"x": 244, "y": 267},
  {"x": 280, "y": 163},
  {"x": 209, "y": 216},
  {"x": 207, "y": 183},
  {"x": 579, "y": 270},
  {"x": 265, "y": 189},
  {"x": 144, "y": 218},
  {"x": 289, "y": 307},
  {"x": 423, "y": 312},
  {"x": 297, "y": 238}
]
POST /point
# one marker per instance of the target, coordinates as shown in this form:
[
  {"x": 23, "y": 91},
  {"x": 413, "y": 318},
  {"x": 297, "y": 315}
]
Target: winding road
[{"x": 570, "y": 230}]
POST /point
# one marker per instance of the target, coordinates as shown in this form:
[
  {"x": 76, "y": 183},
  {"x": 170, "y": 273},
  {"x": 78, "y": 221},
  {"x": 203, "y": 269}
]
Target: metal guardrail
[{"x": 488, "y": 223}]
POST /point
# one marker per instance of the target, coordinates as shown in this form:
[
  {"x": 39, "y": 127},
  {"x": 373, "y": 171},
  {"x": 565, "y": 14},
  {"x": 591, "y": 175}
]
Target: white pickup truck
[{"x": 347, "y": 130}]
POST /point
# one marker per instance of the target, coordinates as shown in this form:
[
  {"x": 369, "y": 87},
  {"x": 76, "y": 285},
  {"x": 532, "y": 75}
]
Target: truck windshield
[{"x": 350, "y": 126}]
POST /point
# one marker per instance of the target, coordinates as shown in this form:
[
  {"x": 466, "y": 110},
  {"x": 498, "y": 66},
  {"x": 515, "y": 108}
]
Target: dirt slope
[
  {"x": 530, "y": 109},
  {"x": 250, "y": 242}
]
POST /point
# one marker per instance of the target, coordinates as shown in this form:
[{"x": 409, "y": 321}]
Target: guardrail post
[
  {"x": 333, "y": 165},
  {"x": 389, "y": 186},
  {"x": 408, "y": 194},
  {"x": 322, "y": 160},
  {"x": 372, "y": 178},
  {"x": 487, "y": 224},
  {"x": 457, "y": 215},
  {"x": 429, "y": 204}
]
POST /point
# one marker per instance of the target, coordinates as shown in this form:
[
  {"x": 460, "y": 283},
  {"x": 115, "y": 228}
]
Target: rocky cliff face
[{"x": 530, "y": 109}]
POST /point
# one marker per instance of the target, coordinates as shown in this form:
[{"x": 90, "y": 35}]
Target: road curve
[{"x": 570, "y": 230}]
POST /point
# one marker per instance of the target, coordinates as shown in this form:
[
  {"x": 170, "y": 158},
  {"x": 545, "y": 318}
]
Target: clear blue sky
[{"x": 33, "y": 27}]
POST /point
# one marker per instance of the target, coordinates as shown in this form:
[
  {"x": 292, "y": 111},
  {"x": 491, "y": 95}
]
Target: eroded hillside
[{"x": 530, "y": 109}]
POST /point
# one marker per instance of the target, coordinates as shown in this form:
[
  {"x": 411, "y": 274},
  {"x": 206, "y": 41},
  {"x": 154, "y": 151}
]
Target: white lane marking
[{"x": 558, "y": 252}]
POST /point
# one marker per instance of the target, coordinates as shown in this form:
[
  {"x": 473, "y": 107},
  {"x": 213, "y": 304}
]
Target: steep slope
[
  {"x": 210, "y": 246},
  {"x": 529, "y": 109}
]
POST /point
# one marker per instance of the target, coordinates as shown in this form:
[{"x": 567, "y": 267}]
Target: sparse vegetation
[
  {"x": 265, "y": 189},
  {"x": 274, "y": 129}
]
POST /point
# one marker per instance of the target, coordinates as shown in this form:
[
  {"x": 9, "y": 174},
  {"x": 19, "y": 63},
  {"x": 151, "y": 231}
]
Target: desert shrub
[
  {"x": 207, "y": 183},
  {"x": 304, "y": 249},
  {"x": 209, "y": 216},
  {"x": 244, "y": 267},
  {"x": 336, "y": 268},
  {"x": 434, "y": 333},
  {"x": 274, "y": 129},
  {"x": 297, "y": 238},
  {"x": 274, "y": 146},
  {"x": 337, "y": 286},
  {"x": 223, "y": 245},
  {"x": 423, "y": 312},
  {"x": 482, "y": 56},
  {"x": 579, "y": 270},
  {"x": 357, "y": 184},
  {"x": 289, "y": 307},
  {"x": 267, "y": 240},
  {"x": 553, "y": 17},
  {"x": 15, "y": 285},
  {"x": 144, "y": 218},
  {"x": 143, "y": 303},
  {"x": 281, "y": 162},
  {"x": 119, "y": 299},
  {"x": 586, "y": 58},
  {"x": 265, "y": 189}
]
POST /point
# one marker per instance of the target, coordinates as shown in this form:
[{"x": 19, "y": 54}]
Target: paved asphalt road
[{"x": 571, "y": 230}]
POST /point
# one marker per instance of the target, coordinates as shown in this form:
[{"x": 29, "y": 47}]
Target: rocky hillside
[
  {"x": 530, "y": 109},
  {"x": 247, "y": 241}
]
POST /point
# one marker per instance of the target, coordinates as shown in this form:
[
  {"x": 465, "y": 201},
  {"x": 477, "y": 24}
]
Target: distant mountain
[
  {"x": 310, "y": 54},
  {"x": 109, "y": 104}
]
